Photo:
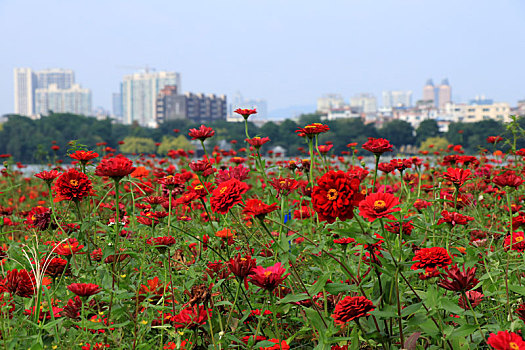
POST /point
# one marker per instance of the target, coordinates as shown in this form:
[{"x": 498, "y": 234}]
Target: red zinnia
[
  {"x": 509, "y": 178},
  {"x": 84, "y": 289},
  {"x": 242, "y": 267},
  {"x": 454, "y": 218},
  {"x": 457, "y": 176},
  {"x": 21, "y": 283},
  {"x": 72, "y": 185},
  {"x": 284, "y": 186},
  {"x": 351, "y": 308},
  {"x": 506, "y": 340},
  {"x": 459, "y": 280},
  {"x": 335, "y": 196},
  {"x": 378, "y": 205},
  {"x": 190, "y": 317},
  {"x": 245, "y": 112},
  {"x": 377, "y": 146},
  {"x": 69, "y": 247},
  {"x": 518, "y": 242},
  {"x": 226, "y": 195},
  {"x": 48, "y": 176},
  {"x": 259, "y": 209},
  {"x": 494, "y": 139},
  {"x": 115, "y": 168},
  {"x": 429, "y": 259},
  {"x": 268, "y": 278},
  {"x": 257, "y": 142},
  {"x": 202, "y": 133},
  {"x": 278, "y": 345},
  {"x": 84, "y": 156},
  {"x": 312, "y": 130}
]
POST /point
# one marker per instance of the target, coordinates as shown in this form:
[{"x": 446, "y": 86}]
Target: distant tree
[
  {"x": 398, "y": 132},
  {"x": 432, "y": 144},
  {"x": 137, "y": 145},
  {"x": 427, "y": 128},
  {"x": 170, "y": 142}
]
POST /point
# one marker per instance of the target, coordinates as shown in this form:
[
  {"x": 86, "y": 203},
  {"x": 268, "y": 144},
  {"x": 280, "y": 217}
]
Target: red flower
[
  {"x": 69, "y": 247},
  {"x": 239, "y": 172},
  {"x": 242, "y": 267},
  {"x": 84, "y": 156},
  {"x": 115, "y": 168},
  {"x": 165, "y": 241},
  {"x": 351, "y": 308},
  {"x": 457, "y": 176},
  {"x": 421, "y": 204},
  {"x": 56, "y": 267},
  {"x": 506, "y": 340},
  {"x": 202, "y": 133},
  {"x": 257, "y": 142},
  {"x": 268, "y": 278},
  {"x": 459, "y": 280},
  {"x": 202, "y": 167},
  {"x": 190, "y": 317},
  {"x": 518, "y": 242},
  {"x": 226, "y": 195},
  {"x": 284, "y": 186},
  {"x": 245, "y": 112},
  {"x": 84, "y": 289},
  {"x": 474, "y": 298},
  {"x": 255, "y": 207},
  {"x": 509, "y": 178},
  {"x": 324, "y": 149},
  {"x": 429, "y": 259},
  {"x": 494, "y": 139},
  {"x": 278, "y": 345},
  {"x": 21, "y": 283},
  {"x": 312, "y": 130},
  {"x": 335, "y": 196},
  {"x": 377, "y": 146},
  {"x": 454, "y": 218},
  {"x": 378, "y": 205},
  {"x": 73, "y": 186},
  {"x": 48, "y": 176}
]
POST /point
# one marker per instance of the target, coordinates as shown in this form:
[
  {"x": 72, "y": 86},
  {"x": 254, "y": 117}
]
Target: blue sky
[{"x": 286, "y": 51}]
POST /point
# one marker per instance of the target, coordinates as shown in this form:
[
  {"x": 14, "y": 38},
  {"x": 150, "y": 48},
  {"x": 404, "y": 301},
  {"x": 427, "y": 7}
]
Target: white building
[
  {"x": 74, "y": 99},
  {"x": 367, "y": 102},
  {"x": 238, "y": 101},
  {"x": 471, "y": 113},
  {"x": 343, "y": 113},
  {"x": 25, "y": 83},
  {"x": 62, "y": 78},
  {"x": 330, "y": 101},
  {"x": 139, "y": 95},
  {"x": 397, "y": 98}
]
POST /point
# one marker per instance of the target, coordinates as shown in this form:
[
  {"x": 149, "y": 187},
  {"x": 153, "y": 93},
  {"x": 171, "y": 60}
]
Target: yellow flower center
[
  {"x": 267, "y": 273},
  {"x": 223, "y": 190},
  {"x": 199, "y": 187},
  {"x": 332, "y": 194},
  {"x": 379, "y": 205},
  {"x": 73, "y": 182},
  {"x": 513, "y": 346},
  {"x": 519, "y": 239}
]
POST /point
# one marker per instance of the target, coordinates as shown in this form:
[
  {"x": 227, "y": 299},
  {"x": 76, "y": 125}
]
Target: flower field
[{"x": 233, "y": 250}]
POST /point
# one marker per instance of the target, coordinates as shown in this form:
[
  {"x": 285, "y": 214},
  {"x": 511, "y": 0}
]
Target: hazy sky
[{"x": 288, "y": 52}]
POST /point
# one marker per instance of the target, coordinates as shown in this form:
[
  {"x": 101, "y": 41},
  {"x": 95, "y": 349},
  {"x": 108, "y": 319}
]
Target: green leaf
[
  {"x": 450, "y": 306},
  {"x": 318, "y": 286},
  {"x": 411, "y": 309},
  {"x": 292, "y": 298},
  {"x": 465, "y": 330},
  {"x": 517, "y": 289}
]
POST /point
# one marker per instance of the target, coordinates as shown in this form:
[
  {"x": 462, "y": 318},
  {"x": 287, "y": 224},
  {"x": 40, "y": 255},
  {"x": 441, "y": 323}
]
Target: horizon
[{"x": 278, "y": 56}]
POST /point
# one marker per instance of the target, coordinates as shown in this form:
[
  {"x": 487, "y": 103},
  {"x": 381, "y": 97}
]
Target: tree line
[{"x": 30, "y": 141}]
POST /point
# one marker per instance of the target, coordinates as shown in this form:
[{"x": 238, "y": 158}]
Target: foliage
[
  {"x": 174, "y": 143},
  {"x": 434, "y": 144},
  {"x": 137, "y": 145}
]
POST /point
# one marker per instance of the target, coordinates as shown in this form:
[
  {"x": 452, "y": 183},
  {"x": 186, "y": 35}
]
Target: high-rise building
[
  {"x": 366, "y": 101},
  {"x": 429, "y": 92},
  {"x": 139, "y": 95},
  {"x": 328, "y": 102},
  {"x": 75, "y": 100},
  {"x": 393, "y": 99},
  {"x": 38, "y": 92},
  {"x": 25, "y": 84},
  {"x": 195, "y": 107},
  {"x": 62, "y": 78},
  {"x": 117, "y": 104},
  {"x": 444, "y": 92}
]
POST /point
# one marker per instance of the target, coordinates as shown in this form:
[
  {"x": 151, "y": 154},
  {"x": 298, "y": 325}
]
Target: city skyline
[{"x": 278, "y": 56}]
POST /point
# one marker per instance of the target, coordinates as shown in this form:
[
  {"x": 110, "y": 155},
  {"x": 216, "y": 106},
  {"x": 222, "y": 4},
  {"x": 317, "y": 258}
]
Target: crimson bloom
[
  {"x": 69, "y": 247},
  {"x": 190, "y": 317},
  {"x": 494, "y": 139},
  {"x": 377, "y": 146},
  {"x": 454, "y": 218},
  {"x": 378, "y": 205},
  {"x": 259, "y": 209},
  {"x": 508, "y": 178},
  {"x": 20, "y": 282},
  {"x": 518, "y": 242},
  {"x": 84, "y": 289},
  {"x": 506, "y": 340},
  {"x": 335, "y": 196},
  {"x": 474, "y": 298},
  {"x": 115, "y": 168},
  {"x": 72, "y": 185},
  {"x": 312, "y": 130},
  {"x": 257, "y": 142},
  {"x": 268, "y": 278},
  {"x": 284, "y": 186},
  {"x": 429, "y": 259},
  {"x": 457, "y": 176},
  {"x": 48, "y": 176},
  {"x": 202, "y": 167},
  {"x": 246, "y": 113},
  {"x": 351, "y": 308},
  {"x": 202, "y": 133},
  {"x": 226, "y": 195},
  {"x": 242, "y": 267},
  {"x": 84, "y": 156},
  {"x": 459, "y": 280}
]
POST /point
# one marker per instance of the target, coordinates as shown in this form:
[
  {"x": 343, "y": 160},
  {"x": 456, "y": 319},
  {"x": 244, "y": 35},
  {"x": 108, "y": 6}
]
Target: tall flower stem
[
  {"x": 246, "y": 127},
  {"x": 116, "y": 256},
  {"x": 169, "y": 211},
  {"x": 375, "y": 171},
  {"x": 204, "y": 148},
  {"x": 312, "y": 160},
  {"x": 509, "y": 252}
]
